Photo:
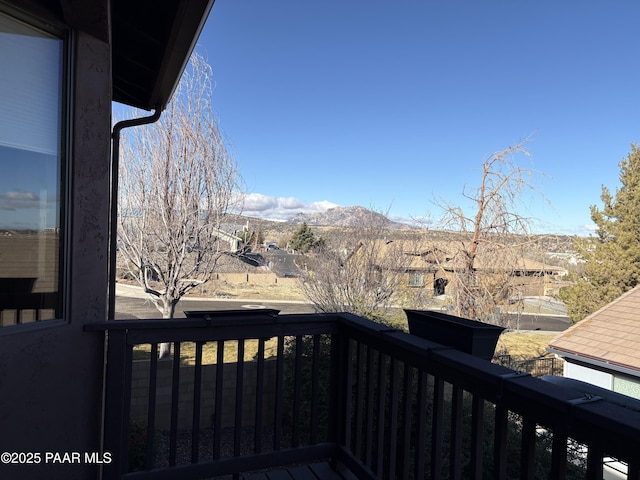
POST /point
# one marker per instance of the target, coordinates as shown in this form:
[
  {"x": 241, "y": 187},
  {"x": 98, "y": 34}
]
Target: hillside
[
  {"x": 339, "y": 221},
  {"x": 346, "y": 217}
]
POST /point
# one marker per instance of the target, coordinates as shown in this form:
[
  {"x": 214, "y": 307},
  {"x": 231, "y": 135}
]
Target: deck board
[
  {"x": 324, "y": 471},
  {"x": 315, "y": 471},
  {"x": 303, "y": 473}
]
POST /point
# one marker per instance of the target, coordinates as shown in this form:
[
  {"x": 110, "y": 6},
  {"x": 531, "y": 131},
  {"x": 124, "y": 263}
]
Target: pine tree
[
  {"x": 612, "y": 255},
  {"x": 304, "y": 240}
]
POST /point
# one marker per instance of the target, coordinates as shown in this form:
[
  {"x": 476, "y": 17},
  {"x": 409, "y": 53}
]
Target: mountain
[{"x": 346, "y": 217}]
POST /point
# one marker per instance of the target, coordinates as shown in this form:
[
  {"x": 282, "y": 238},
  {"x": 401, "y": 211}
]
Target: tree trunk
[{"x": 168, "y": 310}]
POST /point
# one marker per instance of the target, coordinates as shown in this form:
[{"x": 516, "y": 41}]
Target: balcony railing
[{"x": 340, "y": 389}]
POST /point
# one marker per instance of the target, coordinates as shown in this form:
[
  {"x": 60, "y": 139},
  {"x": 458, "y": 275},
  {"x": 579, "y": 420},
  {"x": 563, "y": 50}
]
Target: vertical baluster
[
  {"x": 477, "y": 433},
  {"x": 217, "y": 431},
  {"x": 381, "y": 394},
  {"x": 277, "y": 428},
  {"x": 559, "y": 456},
  {"x": 407, "y": 395},
  {"x": 368, "y": 439},
  {"x": 528, "y": 453},
  {"x": 455, "y": 458},
  {"x": 257, "y": 439},
  {"x": 500, "y": 442},
  {"x": 297, "y": 389},
  {"x": 197, "y": 388},
  {"x": 237, "y": 432},
  {"x": 315, "y": 393},
  {"x": 633, "y": 469},
  {"x": 595, "y": 465},
  {"x": 421, "y": 426},
  {"x": 348, "y": 398},
  {"x": 151, "y": 406},
  {"x": 175, "y": 398},
  {"x": 392, "y": 434},
  {"x": 359, "y": 404},
  {"x": 436, "y": 429}
]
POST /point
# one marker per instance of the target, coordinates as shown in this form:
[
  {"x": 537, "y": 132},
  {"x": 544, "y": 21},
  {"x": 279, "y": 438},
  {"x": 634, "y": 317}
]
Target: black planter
[
  {"x": 470, "y": 336},
  {"x": 232, "y": 314}
]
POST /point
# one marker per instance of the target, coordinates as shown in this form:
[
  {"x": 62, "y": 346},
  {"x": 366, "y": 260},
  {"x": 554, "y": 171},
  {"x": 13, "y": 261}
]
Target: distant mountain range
[{"x": 346, "y": 217}]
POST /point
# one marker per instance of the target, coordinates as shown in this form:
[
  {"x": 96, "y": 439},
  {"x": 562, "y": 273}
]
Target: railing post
[{"x": 117, "y": 404}]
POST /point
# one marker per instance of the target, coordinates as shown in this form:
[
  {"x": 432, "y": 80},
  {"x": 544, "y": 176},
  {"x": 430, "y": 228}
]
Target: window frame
[{"x": 65, "y": 35}]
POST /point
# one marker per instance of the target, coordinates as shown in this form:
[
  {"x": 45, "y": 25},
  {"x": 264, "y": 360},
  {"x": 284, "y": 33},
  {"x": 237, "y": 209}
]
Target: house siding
[
  {"x": 627, "y": 385},
  {"x": 589, "y": 375}
]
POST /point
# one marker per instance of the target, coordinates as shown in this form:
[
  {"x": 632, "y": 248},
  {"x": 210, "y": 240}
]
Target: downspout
[{"x": 113, "y": 218}]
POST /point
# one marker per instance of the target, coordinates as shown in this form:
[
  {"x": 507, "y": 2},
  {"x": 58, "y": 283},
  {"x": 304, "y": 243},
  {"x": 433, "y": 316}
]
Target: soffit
[{"x": 152, "y": 41}]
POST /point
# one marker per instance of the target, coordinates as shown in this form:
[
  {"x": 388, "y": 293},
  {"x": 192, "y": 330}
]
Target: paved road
[
  {"x": 129, "y": 305},
  {"x": 281, "y": 262},
  {"x": 547, "y": 323}
]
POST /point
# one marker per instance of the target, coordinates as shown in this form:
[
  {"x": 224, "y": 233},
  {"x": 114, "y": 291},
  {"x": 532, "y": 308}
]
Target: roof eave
[
  {"x": 151, "y": 49},
  {"x": 576, "y": 357},
  {"x": 186, "y": 30}
]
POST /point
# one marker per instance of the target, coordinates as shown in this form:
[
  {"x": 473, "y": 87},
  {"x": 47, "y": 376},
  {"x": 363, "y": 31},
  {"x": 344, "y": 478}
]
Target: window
[
  {"x": 416, "y": 279},
  {"x": 31, "y": 146}
]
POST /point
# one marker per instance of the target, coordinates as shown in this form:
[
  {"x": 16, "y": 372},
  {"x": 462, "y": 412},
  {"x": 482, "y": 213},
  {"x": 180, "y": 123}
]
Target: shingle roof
[{"x": 610, "y": 335}]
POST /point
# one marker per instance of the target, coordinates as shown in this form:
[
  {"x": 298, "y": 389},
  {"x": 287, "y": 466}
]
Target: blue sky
[
  {"x": 393, "y": 105},
  {"x": 30, "y": 96}
]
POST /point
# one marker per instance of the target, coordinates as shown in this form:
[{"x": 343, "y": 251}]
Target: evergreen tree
[
  {"x": 612, "y": 255},
  {"x": 256, "y": 239},
  {"x": 304, "y": 240}
]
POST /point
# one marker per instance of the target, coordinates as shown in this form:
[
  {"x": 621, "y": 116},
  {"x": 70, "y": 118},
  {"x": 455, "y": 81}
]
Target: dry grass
[
  {"x": 524, "y": 346},
  {"x": 210, "y": 351},
  {"x": 257, "y": 292}
]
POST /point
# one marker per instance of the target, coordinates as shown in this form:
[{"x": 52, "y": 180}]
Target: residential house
[
  {"x": 602, "y": 349},
  {"x": 433, "y": 265}
]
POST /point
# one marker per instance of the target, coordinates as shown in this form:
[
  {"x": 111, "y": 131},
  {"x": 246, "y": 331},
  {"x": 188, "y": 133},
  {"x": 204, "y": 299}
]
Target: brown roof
[{"x": 610, "y": 335}]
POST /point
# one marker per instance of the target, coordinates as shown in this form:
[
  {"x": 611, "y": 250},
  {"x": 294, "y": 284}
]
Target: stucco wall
[{"x": 51, "y": 373}]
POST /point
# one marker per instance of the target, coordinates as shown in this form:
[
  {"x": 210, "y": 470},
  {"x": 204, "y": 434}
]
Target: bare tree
[
  {"x": 357, "y": 272},
  {"x": 486, "y": 261},
  {"x": 177, "y": 184}
]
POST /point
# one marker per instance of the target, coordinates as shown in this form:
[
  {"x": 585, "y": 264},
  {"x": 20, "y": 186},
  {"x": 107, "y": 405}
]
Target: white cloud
[
  {"x": 280, "y": 208},
  {"x": 420, "y": 221},
  {"x": 18, "y": 200}
]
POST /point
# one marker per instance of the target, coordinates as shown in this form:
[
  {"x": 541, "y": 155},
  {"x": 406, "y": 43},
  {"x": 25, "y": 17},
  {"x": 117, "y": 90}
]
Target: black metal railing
[
  {"x": 538, "y": 367},
  {"x": 338, "y": 388}
]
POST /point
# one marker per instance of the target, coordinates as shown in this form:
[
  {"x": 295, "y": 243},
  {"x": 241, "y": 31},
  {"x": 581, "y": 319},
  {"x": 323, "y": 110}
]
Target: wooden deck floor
[{"x": 315, "y": 471}]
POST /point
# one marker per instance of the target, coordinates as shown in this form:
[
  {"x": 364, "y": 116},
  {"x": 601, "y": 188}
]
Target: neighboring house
[
  {"x": 603, "y": 349},
  {"x": 433, "y": 266},
  {"x": 63, "y": 64}
]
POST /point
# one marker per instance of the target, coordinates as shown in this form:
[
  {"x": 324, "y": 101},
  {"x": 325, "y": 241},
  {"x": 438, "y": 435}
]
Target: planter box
[
  {"x": 232, "y": 314},
  {"x": 470, "y": 336}
]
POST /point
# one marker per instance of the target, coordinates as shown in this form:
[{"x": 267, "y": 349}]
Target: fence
[
  {"x": 537, "y": 367},
  {"x": 383, "y": 403}
]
